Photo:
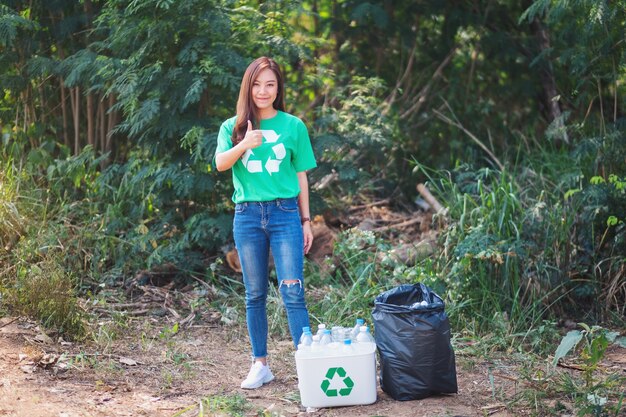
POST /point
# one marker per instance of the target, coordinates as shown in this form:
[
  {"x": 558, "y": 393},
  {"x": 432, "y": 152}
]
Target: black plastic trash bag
[{"x": 412, "y": 334}]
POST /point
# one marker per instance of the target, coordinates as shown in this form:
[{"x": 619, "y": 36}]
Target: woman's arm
[
  {"x": 303, "y": 202},
  {"x": 225, "y": 160}
]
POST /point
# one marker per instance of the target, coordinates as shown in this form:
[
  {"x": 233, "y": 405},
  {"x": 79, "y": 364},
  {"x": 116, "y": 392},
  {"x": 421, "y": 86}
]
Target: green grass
[
  {"x": 45, "y": 292},
  {"x": 33, "y": 280},
  {"x": 234, "y": 405}
]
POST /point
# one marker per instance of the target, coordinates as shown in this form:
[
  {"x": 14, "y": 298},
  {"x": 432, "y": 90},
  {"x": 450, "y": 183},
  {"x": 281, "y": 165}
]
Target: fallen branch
[
  {"x": 6, "y": 324},
  {"x": 492, "y": 409},
  {"x": 368, "y": 205},
  {"x": 187, "y": 321},
  {"x": 202, "y": 282},
  {"x": 398, "y": 225},
  {"x": 139, "y": 312},
  {"x": 510, "y": 378},
  {"x": 568, "y": 366},
  {"x": 324, "y": 182},
  {"x": 125, "y": 305},
  {"x": 174, "y": 312},
  {"x": 430, "y": 199}
]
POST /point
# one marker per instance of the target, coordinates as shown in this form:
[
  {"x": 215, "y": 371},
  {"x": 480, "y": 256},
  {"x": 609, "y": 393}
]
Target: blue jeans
[{"x": 259, "y": 227}]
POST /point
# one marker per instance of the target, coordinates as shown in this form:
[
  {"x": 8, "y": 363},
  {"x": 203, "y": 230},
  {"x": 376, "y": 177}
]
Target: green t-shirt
[{"x": 269, "y": 171}]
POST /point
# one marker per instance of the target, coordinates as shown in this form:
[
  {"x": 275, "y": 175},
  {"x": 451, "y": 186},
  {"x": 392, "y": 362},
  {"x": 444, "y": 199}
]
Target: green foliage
[
  {"x": 74, "y": 177},
  {"x": 595, "y": 25},
  {"x": 599, "y": 393},
  {"x": 375, "y": 81},
  {"x": 10, "y": 24},
  {"x": 353, "y": 138},
  {"x": 161, "y": 72},
  {"x": 10, "y": 219},
  {"x": 162, "y": 69},
  {"x": 539, "y": 242},
  {"x": 486, "y": 246},
  {"x": 45, "y": 292},
  {"x": 232, "y": 405},
  {"x": 362, "y": 266}
]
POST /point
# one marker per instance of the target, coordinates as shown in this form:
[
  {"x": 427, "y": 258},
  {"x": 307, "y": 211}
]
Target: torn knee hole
[{"x": 290, "y": 282}]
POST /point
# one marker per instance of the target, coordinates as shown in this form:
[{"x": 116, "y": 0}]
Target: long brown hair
[{"x": 246, "y": 110}]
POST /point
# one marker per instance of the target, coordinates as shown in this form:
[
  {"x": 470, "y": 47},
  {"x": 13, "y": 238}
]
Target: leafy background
[{"x": 511, "y": 112}]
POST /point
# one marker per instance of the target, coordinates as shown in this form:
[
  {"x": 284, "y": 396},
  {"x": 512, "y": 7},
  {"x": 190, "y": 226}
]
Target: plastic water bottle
[
  {"x": 326, "y": 338},
  {"x": 337, "y": 334},
  {"x": 305, "y": 329},
  {"x": 356, "y": 328},
  {"x": 364, "y": 335},
  {"x": 315, "y": 344},
  {"x": 347, "y": 346},
  {"x": 320, "y": 329},
  {"x": 306, "y": 340}
]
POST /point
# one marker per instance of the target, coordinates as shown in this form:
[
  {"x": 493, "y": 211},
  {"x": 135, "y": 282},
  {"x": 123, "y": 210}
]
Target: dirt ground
[{"x": 147, "y": 370}]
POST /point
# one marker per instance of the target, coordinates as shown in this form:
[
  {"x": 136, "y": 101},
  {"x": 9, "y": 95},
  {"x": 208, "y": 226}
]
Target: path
[{"x": 174, "y": 372}]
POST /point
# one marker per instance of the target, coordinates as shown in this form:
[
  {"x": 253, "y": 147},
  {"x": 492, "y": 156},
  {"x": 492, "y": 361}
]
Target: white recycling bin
[{"x": 333, "y": 377}]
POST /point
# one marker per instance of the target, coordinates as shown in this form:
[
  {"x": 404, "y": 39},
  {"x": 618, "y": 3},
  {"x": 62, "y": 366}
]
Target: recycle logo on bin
[{"x": 347, "y": 382}]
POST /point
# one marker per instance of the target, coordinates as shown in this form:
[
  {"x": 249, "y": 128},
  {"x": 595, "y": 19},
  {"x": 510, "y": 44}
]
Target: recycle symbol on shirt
[{"x": 272, "y": 165}]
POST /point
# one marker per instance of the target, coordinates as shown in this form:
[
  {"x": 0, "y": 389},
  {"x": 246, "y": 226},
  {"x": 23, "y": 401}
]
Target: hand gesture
[{"x": 253, "y": 138}]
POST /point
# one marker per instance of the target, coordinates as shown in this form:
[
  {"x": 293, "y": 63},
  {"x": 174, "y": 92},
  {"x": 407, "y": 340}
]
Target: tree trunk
[
  {"x": 316, "y": 27},
  {"x": 73, "y": 107},
  {"x": 112, "y": 115},
  {"x": 102, "y": 126},
  {"x": 96, "y": 129},
  {"x": 90, "y": 124},
  {"x": 76, "y": 120},
  {"x": 102, "y": 130},
  {"x": 546, "y": 75},
  {"x": 335, "y": 31},
  {"x": 203, "y": 105},
  {"x": 66, "y": 138},
  {"x": 42, "y": 103},
  {"x": 88, "y": 7},
  {"x": 29, "y": 113}
]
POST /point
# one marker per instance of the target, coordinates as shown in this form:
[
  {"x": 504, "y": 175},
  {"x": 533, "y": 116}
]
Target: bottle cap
[
  {"x": 360, "y": 322},
  {"x": 305, "y": 328},
  {"x": 347, "y": 342}
]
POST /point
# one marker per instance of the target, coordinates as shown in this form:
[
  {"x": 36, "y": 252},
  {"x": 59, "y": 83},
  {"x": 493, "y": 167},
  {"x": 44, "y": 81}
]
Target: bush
[{"x": 44, "y": 291}]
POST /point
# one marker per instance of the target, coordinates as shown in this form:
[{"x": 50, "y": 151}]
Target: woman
[{"x": 269, "y": 152}]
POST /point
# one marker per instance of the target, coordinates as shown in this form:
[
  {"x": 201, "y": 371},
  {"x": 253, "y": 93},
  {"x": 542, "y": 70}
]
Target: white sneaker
[{"x": 259, "y": 374}]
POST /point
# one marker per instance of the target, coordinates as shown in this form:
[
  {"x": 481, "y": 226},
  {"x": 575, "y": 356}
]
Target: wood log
[{"x": 430, "y": 199}]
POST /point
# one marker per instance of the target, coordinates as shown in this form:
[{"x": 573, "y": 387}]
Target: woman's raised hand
[{"x": 253, "y": 138}]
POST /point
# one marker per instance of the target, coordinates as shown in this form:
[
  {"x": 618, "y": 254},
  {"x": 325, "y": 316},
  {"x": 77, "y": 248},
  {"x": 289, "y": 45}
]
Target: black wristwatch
[{"x": 305, "y": 219}]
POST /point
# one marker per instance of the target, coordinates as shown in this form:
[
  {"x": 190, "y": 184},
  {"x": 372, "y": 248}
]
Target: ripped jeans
[{"x": 257, "y": 228}]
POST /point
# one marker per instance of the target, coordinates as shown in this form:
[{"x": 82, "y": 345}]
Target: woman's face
[{"x": 265, "y": 89}]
